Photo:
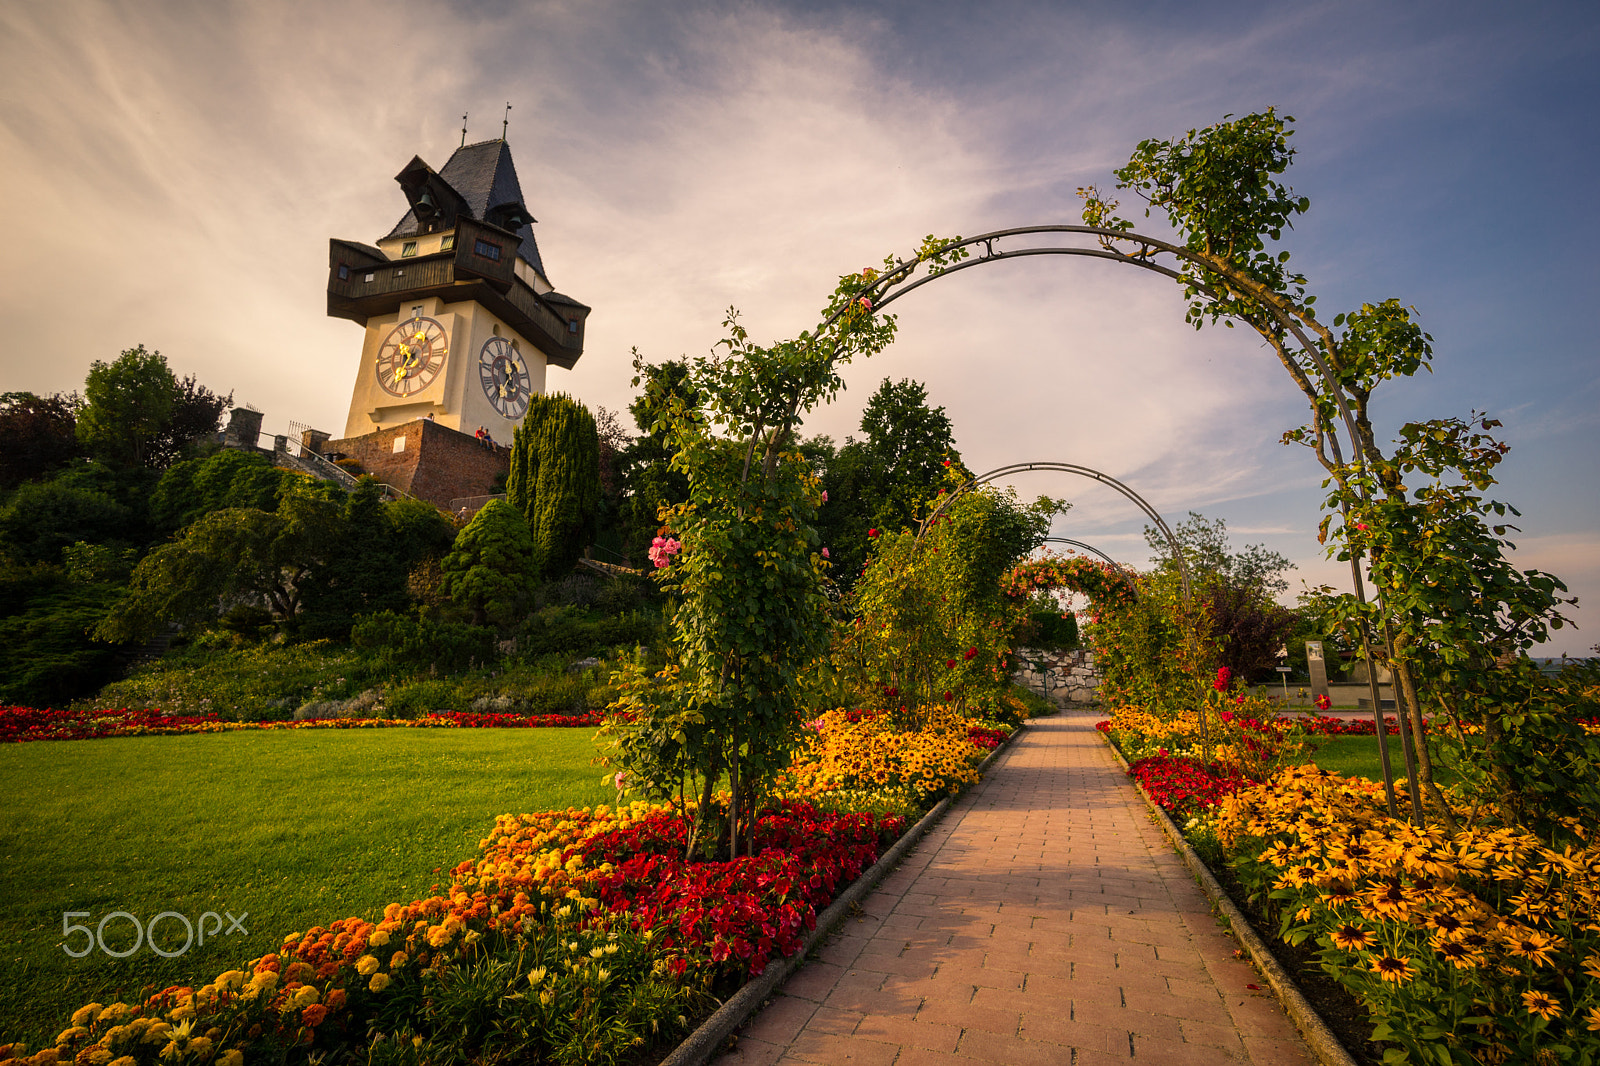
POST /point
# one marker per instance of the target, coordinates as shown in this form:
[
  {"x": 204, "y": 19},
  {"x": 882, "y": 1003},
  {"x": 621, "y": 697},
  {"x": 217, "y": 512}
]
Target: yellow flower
[
  {"x": 398, "y": 959},
  {"x": 1532, "y": 945},
  {"x": 379, "y": 938},
  {"x": 1393, "y": 969},
  {"x": 537, "y": 975},
  {"x": 1593, "y": 1021},
  {"x": 379, "y": 982},
  {"x": 201, "y": 1046},
  {"x": 77, "y": 1032},
  {"x": 126, "y": 1060},
  {"x": 1351, "y": 937},
  {"x": 86, "y": 1014},
  {"x": 366, "y": 966},
  {"x": 96, "y": 1056},
  {"x": 1542, "y": 1004}
]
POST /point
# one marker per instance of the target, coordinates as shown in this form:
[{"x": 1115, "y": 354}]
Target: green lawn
[
  {"x": 293, "y": 829},
  {"x": 1358, "y": 757}
]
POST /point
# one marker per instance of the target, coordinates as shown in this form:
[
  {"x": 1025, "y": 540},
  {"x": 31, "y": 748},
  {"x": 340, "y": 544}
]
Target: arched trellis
[
  {"x": 1090, "y": 548},
  {"x": 1279, "y": 316},
  {"x": 1082, "y": 471},
  {"x": 1105, "y": 479}
]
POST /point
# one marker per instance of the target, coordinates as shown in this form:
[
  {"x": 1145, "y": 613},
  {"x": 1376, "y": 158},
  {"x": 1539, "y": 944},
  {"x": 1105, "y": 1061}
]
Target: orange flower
[
  {"x": 1393, "y": 969},
  {"x": 1541, "y": 1003},
  {"x": 313, "y": 1015}
]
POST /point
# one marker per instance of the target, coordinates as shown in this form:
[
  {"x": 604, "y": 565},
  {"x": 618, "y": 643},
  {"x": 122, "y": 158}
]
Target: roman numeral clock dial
[
  {"x": 411, "y": 356},
  {"x": 504, "y": 375}
]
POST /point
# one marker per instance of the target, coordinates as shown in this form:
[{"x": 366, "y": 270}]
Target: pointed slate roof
[{"x": 486, "y": 178}]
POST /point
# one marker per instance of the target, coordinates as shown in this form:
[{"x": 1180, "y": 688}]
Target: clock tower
[{"x": 461, "y": 321}]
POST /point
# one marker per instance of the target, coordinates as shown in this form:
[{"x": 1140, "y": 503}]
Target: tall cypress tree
[{"x": 555, "y": 479}]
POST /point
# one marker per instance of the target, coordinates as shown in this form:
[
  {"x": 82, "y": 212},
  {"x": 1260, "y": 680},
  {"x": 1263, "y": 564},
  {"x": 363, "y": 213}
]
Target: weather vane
[
  {"x": 506, "y": 121},
  {"x": 463, "y": 129}
]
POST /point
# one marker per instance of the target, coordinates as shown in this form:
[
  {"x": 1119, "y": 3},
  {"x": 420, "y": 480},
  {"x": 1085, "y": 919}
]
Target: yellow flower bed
[
  {"x": 873, "y": 752},
  {"x": 1481, "y": 946}
]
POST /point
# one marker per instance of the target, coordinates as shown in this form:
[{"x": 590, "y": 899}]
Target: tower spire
[
  {"x": 506, "y": 121},
  {"x": 463, "y": 129}
]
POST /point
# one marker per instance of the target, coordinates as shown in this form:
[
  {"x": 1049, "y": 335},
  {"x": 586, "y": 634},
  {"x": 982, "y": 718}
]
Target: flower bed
[
  {"x": 937, "y": 756},
  {"x": 1183, "y": 785},
  {"x": 1468, "y": 947},
  {"x": 1475, "y": 947},
  {"x": 575, "y": 936},
  {"x": 22, "y": 724}
]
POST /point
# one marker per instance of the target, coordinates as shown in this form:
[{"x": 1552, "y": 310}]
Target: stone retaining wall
[{"x": 1070, "y": 678}]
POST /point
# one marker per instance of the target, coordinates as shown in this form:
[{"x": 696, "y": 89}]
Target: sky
[{"x": 175, "y": 170}]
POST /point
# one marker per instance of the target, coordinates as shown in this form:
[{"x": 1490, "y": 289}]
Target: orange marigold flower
[
  {"x": 1542, "y": 1003},
  {"x": 313, "y": 1015}
]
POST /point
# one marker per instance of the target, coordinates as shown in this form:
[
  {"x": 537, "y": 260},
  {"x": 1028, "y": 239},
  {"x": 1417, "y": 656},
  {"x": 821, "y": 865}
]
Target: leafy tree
[
  {"x": 1204, "y": 544},
  {"x": 366, "y": 568},
  {"x": 45, "y": 617},
  {"x": 884, "y": 480},
  {"x": 555, "y": 480},
  {"x": 44, "y": 517},
  {"x": 239, "y": 553},
  {"x": 37, "y": 435},
  {"x": 930, "y": 623},
  {"x": 1235, "y": 589},
  {"x": 228, "y": 478},
  {"x": 137, "y": 414},
  {"x": 488, "y": 573},
  {"x": 649, "y": 480},
  {"x": 127, "y": 407}
]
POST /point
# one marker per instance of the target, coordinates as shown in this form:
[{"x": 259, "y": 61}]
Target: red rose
[
  {"x": 972, "y": 653},
  {"x": 947, "y": 697},
  {"x": 949, "y": 664},
  {"x": 872, "y": 532},
  {"x": 1224, "y": 675}
]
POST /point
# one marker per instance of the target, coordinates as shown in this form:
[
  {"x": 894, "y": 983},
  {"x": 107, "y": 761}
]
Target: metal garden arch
[{"x": 1279, "y": 319}]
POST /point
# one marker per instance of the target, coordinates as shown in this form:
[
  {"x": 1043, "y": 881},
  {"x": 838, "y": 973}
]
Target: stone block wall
[
  {"x": 435, "y": 463},
  {"x": 1070, "y": 678}
]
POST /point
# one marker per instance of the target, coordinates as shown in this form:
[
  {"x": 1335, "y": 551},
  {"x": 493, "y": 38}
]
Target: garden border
[
  {"x": 699, "y": 1046},
  {"x": 1318, "y": 1037}
]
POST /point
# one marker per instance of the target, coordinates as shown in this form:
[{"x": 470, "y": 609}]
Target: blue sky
[{"x": 174, "y": 172}]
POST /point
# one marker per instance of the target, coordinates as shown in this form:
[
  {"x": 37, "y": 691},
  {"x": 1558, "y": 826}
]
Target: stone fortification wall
[{"x": 434, "y": 463}]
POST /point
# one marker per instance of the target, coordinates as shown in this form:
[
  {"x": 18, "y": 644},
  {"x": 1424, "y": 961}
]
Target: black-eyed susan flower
[
  {"x": 1393, "y": 969},
  {"x": 1532, "y": 945},
  {"x": 1351, "y": 937},
  {"x": 1542, "y": 1003}
]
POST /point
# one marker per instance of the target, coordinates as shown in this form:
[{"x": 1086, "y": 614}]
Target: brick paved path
[{"x": 1045, "y": 921}]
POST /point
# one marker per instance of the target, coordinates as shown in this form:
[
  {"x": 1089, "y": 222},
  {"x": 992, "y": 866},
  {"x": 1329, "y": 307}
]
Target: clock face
[
  {"x": 411, "y": 356},
  {"x": 504, "y": 374}
]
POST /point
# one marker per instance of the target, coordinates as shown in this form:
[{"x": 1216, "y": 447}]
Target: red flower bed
[
  {"x": 744, "y": 911},
  {"x": 21, "y": 724},
  {"x": 1182, "y": 785},
  {"x": 988, "y": 739}
]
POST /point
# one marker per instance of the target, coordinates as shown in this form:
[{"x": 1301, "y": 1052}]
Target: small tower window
[
  {"x": 408, "y": 249},
  {"x": 369, "y": 277},
  {"x": 447, "y": 243},
  {"x": 487, "y": 250},
  {"x": 344, "y": 272},
  {"x": 572, "y": 325}
]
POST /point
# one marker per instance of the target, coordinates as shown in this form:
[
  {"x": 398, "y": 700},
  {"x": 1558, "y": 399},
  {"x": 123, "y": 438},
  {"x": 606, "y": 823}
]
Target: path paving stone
[{"x": 1045, "y": 921}]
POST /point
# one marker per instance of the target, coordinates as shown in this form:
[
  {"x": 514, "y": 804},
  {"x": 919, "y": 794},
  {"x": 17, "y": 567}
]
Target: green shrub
[
  {"x": 414, "y": 699},
  {"x": 574, "y": 631},
  {"x": 419, "y": 643}
]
